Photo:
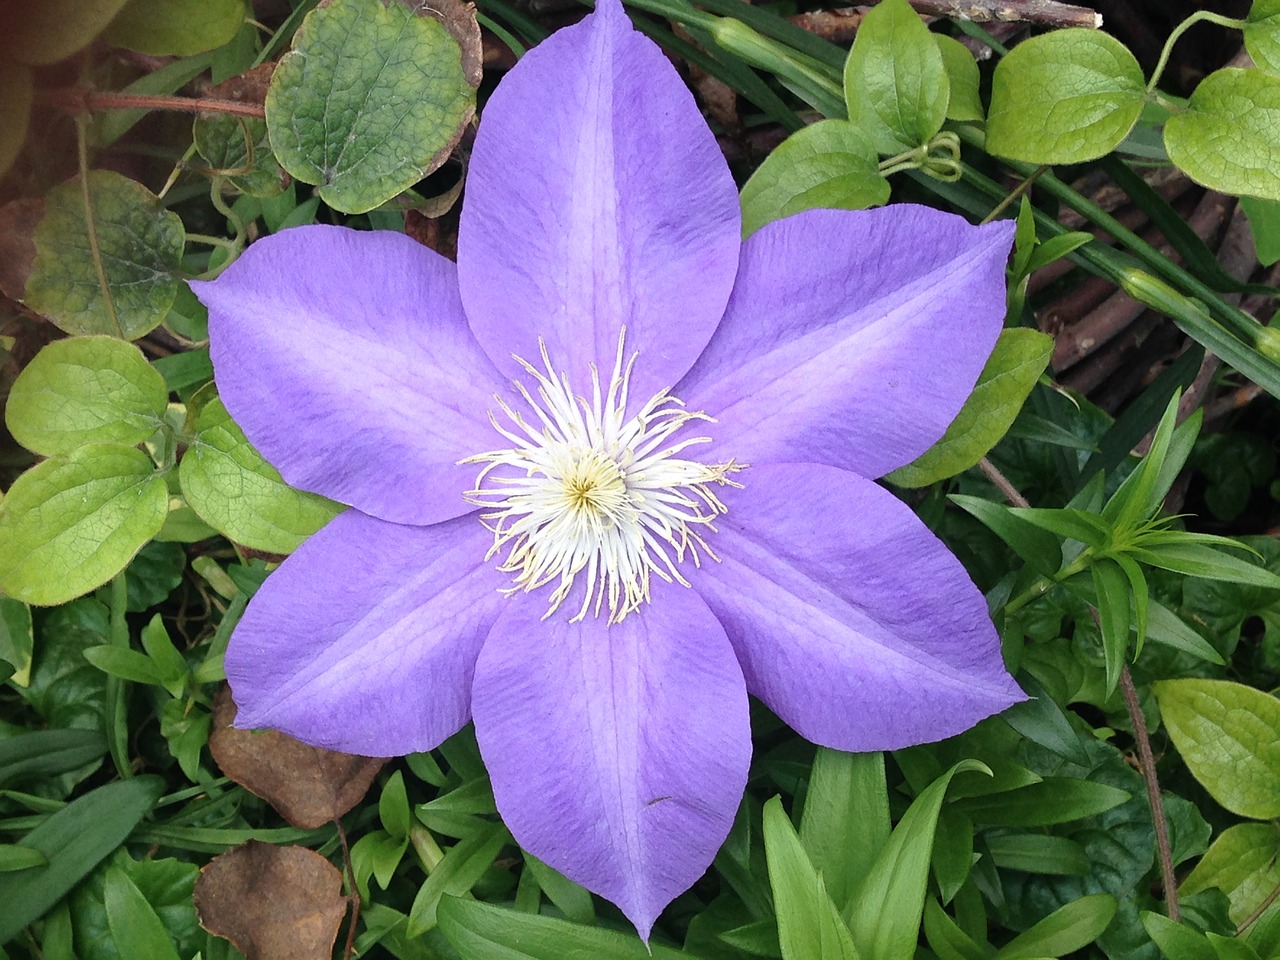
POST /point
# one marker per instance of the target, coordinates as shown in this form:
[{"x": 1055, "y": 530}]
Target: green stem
[
  {"x": 1042, "y": 585},
  {"x": 1182, "y": 28},
  {"x": 116, "y": 718}
]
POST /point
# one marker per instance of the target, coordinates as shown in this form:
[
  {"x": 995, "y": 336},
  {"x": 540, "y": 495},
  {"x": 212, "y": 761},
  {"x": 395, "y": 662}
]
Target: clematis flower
[{"x": 611, "y": 473}]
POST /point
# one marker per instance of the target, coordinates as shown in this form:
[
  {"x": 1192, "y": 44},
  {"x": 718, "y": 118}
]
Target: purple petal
[
  {"x": 345, "y": 357},
  {"x": 852, "y": 338},
  {"x": 851, "y": 620},
  {"x": 618, "y": 754},
  {"x": 597, "y": 198},
  {"x": 365, "y": 640}
]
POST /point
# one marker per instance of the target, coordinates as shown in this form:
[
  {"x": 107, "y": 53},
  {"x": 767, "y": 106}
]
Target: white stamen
[{"x": 589, "y": 491}]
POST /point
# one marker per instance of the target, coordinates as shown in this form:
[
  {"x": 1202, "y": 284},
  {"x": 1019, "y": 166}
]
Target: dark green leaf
[
  {"x": 42, "y": 753},
  {"x": 134, "y": 925},
  {"x": 1068, "y": 929},
  {"x": 1053, "y": 800},
  {"x": 176, "y": 27},
  {"x": 1038, "y": 853}
]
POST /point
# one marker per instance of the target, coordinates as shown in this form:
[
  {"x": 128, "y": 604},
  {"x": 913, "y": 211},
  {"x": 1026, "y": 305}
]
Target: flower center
[{"x": 584, "y": 489}]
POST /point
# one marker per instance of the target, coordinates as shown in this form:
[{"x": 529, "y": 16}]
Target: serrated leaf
[
  {"x": 370, "y": 100},
  {"x": 895, "y": 83},
  {"x": 180, "y": 28},
  {"x": 1064, "y": 97},
  {"x": 1013, "y": 368},
  {"x": 962, "y": 78},
  {"x": 85, "y": 390},
  {"x": 226, "y": 481},
  {"x": 1244, "y": 863},
  {"x": 829, "y": 164},
  {"x": 1262, "y": 35},
  {"x": 139, "y": 251},
  {"x": 1228, "y": 138},
  {"x": 1229, "y": 737},
  {"x": 15, "y": 110},
  {"x": 71, "y": 523},
  {"x": 809, "y": 925},
  {"x": 239, "y": 149}
]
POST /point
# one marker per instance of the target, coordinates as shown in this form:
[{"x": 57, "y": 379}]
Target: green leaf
[
  {"x": 1038, "y": 853},
  {"x": 44, "y": 753},
  {"x": 139, "y": 252},
  {"x": 1051, "y": 801},
  {"x": 226, "y": 481},
  {"x": 371, "y": 99},
  {"x": 169, "y": 662},
  {"x": 1140, "y": 496},
  {"x": 125, "y": 664},
  {"x": 1229, "y": 737},
  {"x": 85, "y": 390},
  {"x": 75, "y": 840},
  {"x": 461, "y": 869},
  {"x": 1198, "y": 560},
  {"x": 809, "y": 925},
  {"x": 886, "y": 908},
  {"x": 1177, "y": 941},
  {"x": 962, "y": 78},
  {"x": 846, "y": 817},
  {"x": 1228, "y": 138},
  {"x": 134, "y": 925},
  {"x": 1264, "y": 220},
  {"x": 1067, "y": 523},
  {"x": 1262, "y": 35},
  {"x": 1017, "y": 361},
  {"x": 239, "y": 149},
  {"x": 1068, "y": 929},
  {"x": 1055, "y": 248},
  {"x": 1064, "y": 97},
  {"x": 166, "y": 885},
  {"x": 17, "y": 640},
  {"x": 829, "y": 164},
  {"x": 16, "y": 90},
  {"x": 481, "y": 931},
  {"x": 52, "y": 30},
  {"x": 573, "y": 901},
  {"x": 180, "y": 28},
  {"x": 393, "y": 807},
  {"x": 1111, "y": 587},
  {"x": 1038, "y": 547},
  {"x": 71, "y": 523},
  {"x": 947, "y": 939},
  {"x": 1244, "y": 863},
  {"x": 15, "y": 857},
  {"x": 895, "y": 82},
  {"x": 114, "y": 124}
]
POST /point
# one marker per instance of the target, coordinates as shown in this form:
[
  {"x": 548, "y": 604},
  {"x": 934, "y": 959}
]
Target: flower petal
[
  {"x": 597, "y": 198},
  {"x": 851, "y": 620},
  {"x": 345, "y": 357},
  {"x": 365, "y": 639},
  {"x": 618, "y": 754},
  {"x": 853, "y": 337}
]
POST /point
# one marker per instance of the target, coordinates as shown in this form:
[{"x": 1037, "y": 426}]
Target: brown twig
[
  {"x": 1147, "y": 766},
  {"x": 1011, "y": 493},
  {"x": 74, "y": 98},
  {"x": 840, "y": 24},
  {"x": 355, "y": 893}
]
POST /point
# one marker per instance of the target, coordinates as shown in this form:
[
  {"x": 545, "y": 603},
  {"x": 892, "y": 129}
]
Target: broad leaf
[
  {"x": 962, "y": 78},
  {"x": 1262, "y": 35},
  {"x": 181, "y": 28},
  {"x": 1244, "y": 863}
]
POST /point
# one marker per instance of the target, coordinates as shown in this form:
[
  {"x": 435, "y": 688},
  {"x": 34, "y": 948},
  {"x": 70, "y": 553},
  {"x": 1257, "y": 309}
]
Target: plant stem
[
  {"x": 116, "y": 718},
  {"x": 1182, "y": 28},
  {"x": 91, "y": 227},
  {"x": 74, "y": 98},
  {"x": 1147, "y": 765}
]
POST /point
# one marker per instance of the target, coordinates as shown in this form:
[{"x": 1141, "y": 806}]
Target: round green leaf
[
  {"x": 830, "y": 164},
  {"x": 1243, "y": 862},
  {"x": 238, "y": 148},
  {"x": 15, "y": 110},
  {"x": 1064, "y": 97},
  {"x": 1262, "y": 35},
  {"x": 176, "y": 27},
  {"x": 71, "y": 523},
  {"x": 1228, "y": 138},
  {"x": 85, "y": 390},
  {"x": 226, "y": 481},
  {"x": 894, "y": 79},
  {"x": 1012, "y": 370},
  {"x": 52, "y": 30},
  {"x": 139, "y": 251},
  {"x": 370, "y": 100},
  {"x": 962, "y": 77},
  {"x": 1229, "y": 737}
]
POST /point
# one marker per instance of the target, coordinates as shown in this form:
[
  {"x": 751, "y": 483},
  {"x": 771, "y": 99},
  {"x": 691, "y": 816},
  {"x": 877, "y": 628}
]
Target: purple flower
[{"x": 612, "y": 472}]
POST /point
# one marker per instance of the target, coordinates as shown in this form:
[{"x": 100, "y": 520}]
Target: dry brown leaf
[
  {"x": 309, "y": 786},
  {"x": 459, "y": 18},
  {"x": 272, "y": 903},
  {"x": 18, "y": 220},
  {"x": 248, "y": 87}
]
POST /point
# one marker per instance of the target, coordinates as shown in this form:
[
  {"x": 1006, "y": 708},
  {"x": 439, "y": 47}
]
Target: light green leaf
[
  {"x": 135, "y": 927},
  {"x": 1198, "y": 560},
  {"x": 829, "y": 164},
  {"x": 1111, "y": 588},
  {"x": 370, "y": 100},
  {"x": 1177, "y": 941},
  {"x": 1050, "y": 801},
  {"x": 1262, "y": 35},
  {"x": 895, "y": 82},
  {"x": 962, "y": 77},
  {"x": 393, "y": 807},
  {"x": 169, "y": 662},
  {"x": 1068, "y": 929},
  {"x": 16, "y": 857},
  {"x": 1229, "y": 737},
  {"x": 1038, "y": 853},
  {"x": 1264, "y": 220},
  {"x": 125, "y": 663},
  {"x": 15, "y": 110},
  {"x": 85, "y": 390},
  {"x": 1228, "y": 138},
  {"x": 52, "y": 30},
  {"x": 238, "y": 493},
  {"x": 180, "y": 28},
  {"x": 71, "y": 523},
  {"x": 461, "y": 869},
  {"x": 846, "y": 817},
  {"x": 238, "y": 148},
  {"x": 1244, "y": 863},
  {"x": 17, "y": 641},
  {"x": 139, "y": 246},
  {"x": 809, "y": 925},
  {"x": 1017, "y": 361},
  {"x": 1037, "y": 546},
  {"x": 1064, "y": 97}
]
